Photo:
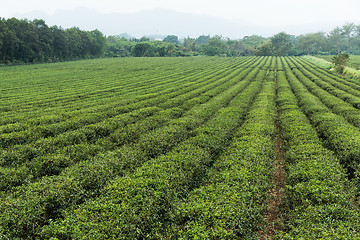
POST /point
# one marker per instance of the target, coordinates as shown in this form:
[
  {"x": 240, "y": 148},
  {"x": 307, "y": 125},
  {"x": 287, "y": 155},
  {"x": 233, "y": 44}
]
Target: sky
[{"x": 260, "y": 12}]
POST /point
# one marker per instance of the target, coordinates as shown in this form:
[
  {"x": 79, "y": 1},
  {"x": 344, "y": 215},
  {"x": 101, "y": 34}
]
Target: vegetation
[
  {"x": 178, "y": 148},
  {"x": 340, "y": 62},
  {"x": 23, "y": 41},
  {"x": 319, "y": 202}
]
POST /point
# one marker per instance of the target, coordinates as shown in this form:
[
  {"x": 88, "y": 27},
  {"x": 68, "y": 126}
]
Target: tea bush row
[
  {"x": 77, "y": 185},
  {"x": 143, "y": 204},
  {"x": 319, "y": 202}
]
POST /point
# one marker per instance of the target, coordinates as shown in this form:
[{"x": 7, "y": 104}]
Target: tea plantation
[{"x": 179, "y": 148}]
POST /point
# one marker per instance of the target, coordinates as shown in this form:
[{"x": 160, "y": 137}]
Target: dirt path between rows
[{"x": 273, "y": 211}]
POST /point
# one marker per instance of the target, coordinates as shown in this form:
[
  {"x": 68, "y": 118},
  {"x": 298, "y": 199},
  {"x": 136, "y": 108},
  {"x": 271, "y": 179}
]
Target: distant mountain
[{"x": 162, "y": 22}]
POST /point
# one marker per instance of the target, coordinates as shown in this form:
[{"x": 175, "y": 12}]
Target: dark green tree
[
  {"x": 340, "y": 62},
  {"x": 99, "y": 43},
  {"x": 202, "y": 39},
  {"x": 235, "y": 48},
  {"x": 266, "y": 49},
  {"x": 281, "y": 43},
  {"x": 171, "y": 39},
  {"x": 215, "y": 46},
  {"x": 45, "y": 43},
  {"x": 253, "y": 41},
  {"x": 312, "y": 43},
  {"x": 336, "y": 39},
  {"x": 348, "y": 31},
  {"x": 190, "y": 44},
  {"x": 60, "y": 44},
  {"x": 141, "y": 49}
]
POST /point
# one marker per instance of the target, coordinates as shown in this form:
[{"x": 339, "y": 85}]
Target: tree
[
  {"x": 144, "y": 39},
  {"x": 312, "y": 43},
  {"x": 99, "y": 43},
  {"x": 46, "y": 38},
  {"x": 235, "y": 48},
  {"x": 190, "y": 44},
  {"x": 172, "y": 39},
  {"x": 340, "y": 62},
  {"x": 253, "y": 41},
  {"x": 355, "y": 43},
  {"x": 119, "y": 46},
  {"x": 141, "y": 49},
  {"x": 8, "y": 42},
  {"x": 60, "y": 44},
  {"x": 348, "y": 31},
  {"x": 336, "y": 39},
  {"x": 281, "y": 43},
  {"x": 215, "y": 46},
  {"x": 266, "y": 49},
  {"x": 202, "y": 40}
]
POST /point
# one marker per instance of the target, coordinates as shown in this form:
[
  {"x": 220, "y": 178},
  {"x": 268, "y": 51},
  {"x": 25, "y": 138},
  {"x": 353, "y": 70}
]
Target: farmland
[
  {"x": 354, "y": 60},
  {"x": 179, "y": 148}
]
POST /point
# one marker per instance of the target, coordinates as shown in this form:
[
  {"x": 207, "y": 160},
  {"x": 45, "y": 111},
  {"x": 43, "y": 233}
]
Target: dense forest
[{"x": 25, "y": 41}]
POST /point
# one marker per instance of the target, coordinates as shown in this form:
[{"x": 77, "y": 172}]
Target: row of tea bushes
[
  {"x": 48, "y": 156},
  {"x": 68, "y": 191},
  {"x": 143, "y": 204},
  {"x": 337, "y": 105},
  {"x": 338, "y": 134},
  {"x": 231, "y": 203},
  {"x": 37, "y": 128},
  {"x": 320, "y": 203}
]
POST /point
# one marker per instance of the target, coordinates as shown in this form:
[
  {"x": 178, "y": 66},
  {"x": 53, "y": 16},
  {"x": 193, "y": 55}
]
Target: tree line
[
  {"x": 24, "y": 41},
  {"x": 345, "y": 39}
]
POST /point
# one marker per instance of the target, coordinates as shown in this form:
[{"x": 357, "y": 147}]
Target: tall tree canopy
[
  {"x": 33, "y": 41},
  {"x": 281, "y": 43}
]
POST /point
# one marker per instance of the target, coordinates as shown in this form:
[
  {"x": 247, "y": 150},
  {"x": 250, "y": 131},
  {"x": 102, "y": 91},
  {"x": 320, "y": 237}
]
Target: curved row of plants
[
  {"x": 347, "y": 84},
  {"x": 28, "y": 208},
  {"x": 35, "y": 128},
  {"x": 332, "y": 85},
  {"x": 338, "y": 134},
  {"x": 230, "y": 204},
  {"x": 146, "y": 203},
  {"x": 319, "y": 201},
  {"x": 179, "y": 155},
  {"x": 49, "y": 156},
  {"x": 141, "y": 88},
  {"x": 338, "y": 106}
]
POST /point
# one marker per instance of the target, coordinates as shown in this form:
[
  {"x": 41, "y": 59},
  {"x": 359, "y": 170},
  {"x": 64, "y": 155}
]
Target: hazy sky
[{"x": 261, "y": 12}]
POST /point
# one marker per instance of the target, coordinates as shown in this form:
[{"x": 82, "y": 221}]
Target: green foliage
[
  {"x": 318, "y": 198},
  {"x": 340, "y": 62},
  {"x": 281, "y": 44},
  {"x": 216, "y": 46},
  {"x": 171, "y": 39},
  {"x": 202, "y": 39},
  {"x": 266, "y": 49},
  {"x": 142, "y": 49},
  {"x": 23, "y": 41},
  {"x": 253, "y": 41},
  {"x": 312, "y": 43},
  {"x": 177, "y": 148},
  {"x": 150, "y": 195}
]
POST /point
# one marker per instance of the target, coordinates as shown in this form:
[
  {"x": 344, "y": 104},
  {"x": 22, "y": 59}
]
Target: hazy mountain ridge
[{"x": 164, "y": 22}]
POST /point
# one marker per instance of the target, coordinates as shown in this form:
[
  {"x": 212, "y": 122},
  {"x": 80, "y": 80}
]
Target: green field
[
  {"x": 354, "y": 60},
  {"x": 179, "y": 148}
]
